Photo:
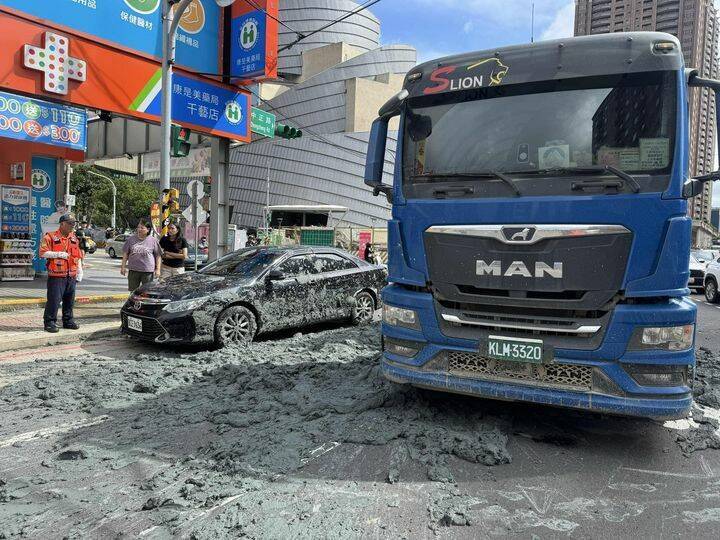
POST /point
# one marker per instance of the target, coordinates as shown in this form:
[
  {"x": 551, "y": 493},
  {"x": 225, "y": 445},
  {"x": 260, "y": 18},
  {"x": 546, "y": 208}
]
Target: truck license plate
[
  {"x": 134, "y": 324},
  {"x": 515, "y": 349}
]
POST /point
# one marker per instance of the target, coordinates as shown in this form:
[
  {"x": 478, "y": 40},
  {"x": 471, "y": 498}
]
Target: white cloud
[
  {"x": 468, "y": 27},
  {"x": 562, "y": 25}
]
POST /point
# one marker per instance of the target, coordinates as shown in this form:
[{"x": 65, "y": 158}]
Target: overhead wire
[{"x": 362, "y": 7}]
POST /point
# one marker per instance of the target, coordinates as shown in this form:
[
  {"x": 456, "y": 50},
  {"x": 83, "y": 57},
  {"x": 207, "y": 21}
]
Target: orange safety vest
[{"x": 55, "y": 241}]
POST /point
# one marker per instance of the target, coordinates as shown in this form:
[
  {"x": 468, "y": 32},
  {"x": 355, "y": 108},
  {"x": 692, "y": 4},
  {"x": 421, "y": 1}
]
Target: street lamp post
[
  {"x": 114, "y": 193},
  {"x": 170, "y": 21}
]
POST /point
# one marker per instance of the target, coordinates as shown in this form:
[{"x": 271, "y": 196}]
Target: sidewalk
[
  {"x": 22, "y": 329},
  {"x": 102, "y": 283}
]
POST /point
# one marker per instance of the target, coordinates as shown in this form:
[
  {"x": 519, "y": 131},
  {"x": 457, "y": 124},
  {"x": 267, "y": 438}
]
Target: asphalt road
[{"x": 207, "y": 449}]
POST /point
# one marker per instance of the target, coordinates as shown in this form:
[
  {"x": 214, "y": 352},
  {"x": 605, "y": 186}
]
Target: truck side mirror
[
  {"x": 375, "y": 160},
  {"x": 694, "y": 186}
]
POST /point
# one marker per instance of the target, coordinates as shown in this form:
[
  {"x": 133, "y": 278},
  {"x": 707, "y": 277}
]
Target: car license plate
[
  {"x": 515, "y": 349},
  {"x": 134, "y": 324}
]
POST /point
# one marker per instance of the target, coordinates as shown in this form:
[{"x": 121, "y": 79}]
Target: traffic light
[
  {"x": 179, "y": 141},
  {"x": 287, "y": 132}
]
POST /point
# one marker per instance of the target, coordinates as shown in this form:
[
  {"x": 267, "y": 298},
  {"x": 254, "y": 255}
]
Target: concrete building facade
[
  {"x": 332, "y": 85},
  {"x": 696, "y": 25}
]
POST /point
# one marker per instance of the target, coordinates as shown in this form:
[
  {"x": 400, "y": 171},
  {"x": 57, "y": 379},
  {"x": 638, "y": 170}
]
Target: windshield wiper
[
  {"x": 594, "y": 169},
  {"x": 485, "y": 175}
]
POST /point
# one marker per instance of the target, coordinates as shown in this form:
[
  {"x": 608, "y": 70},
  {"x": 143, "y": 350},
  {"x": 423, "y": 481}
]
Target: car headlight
[
  {"x": 669, "y": 338},
  {"x": 185, "y": 305},
  {"x": 397, "y": 316}
]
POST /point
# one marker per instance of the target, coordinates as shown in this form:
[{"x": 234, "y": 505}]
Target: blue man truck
[{"x": 539, "y": 240}]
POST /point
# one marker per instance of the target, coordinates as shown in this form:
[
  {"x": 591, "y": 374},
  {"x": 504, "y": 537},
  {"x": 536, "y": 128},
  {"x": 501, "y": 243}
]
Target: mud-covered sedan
[{"x": 253, "y": 291}]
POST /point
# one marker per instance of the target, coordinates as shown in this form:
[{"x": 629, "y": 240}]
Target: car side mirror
[{"x": 275, "y": 275}]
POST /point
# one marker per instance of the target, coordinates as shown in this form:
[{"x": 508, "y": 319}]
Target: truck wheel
[
  {"x": 111, "y": 252},
  {"x": 711, "y": 291},
  {"x": 235, "y": 326},
  {"x": 364, "y": 308}
]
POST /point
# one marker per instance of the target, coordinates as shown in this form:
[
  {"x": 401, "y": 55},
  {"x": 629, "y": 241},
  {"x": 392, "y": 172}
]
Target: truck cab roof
[{"x": 583, "y": 56}]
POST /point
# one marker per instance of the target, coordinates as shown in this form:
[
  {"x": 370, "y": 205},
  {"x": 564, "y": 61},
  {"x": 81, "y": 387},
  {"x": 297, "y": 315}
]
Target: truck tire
[
  {"x": 711, "y": 291},
  {"x": 235, "y": 326}
]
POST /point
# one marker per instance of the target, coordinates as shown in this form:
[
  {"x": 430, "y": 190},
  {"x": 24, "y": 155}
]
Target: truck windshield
[{"x": 545, "y": 138}]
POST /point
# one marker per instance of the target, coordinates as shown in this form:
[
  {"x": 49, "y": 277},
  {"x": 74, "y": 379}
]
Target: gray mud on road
[{"x": 301, "y": 437}]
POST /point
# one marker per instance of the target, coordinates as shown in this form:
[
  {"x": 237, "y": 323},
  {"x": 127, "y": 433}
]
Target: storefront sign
[
  {"x": 200, "y": 105},
  {"x": 195, "y": 164},
  {"x": 15, "y": 211},
  {"x": 39, "y": 121},
  {"x": 136, "y": 25},
  {"x": 44, "y": 185},
  {"x": 123, "y": 83},
  {"x": 254, "y": 40}
]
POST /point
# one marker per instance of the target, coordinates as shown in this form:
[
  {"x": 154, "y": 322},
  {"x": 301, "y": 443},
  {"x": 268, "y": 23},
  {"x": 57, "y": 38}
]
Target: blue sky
[{"x": 441, "y": 27}]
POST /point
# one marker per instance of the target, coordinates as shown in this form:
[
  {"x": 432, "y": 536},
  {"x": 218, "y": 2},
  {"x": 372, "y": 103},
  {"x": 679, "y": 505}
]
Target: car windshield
[
  {"x": 250, "y": 262},
  {"x": 704, "y": 255},
  {"x": 540, "y": 131},
  {"x": 693, "y": 259}
]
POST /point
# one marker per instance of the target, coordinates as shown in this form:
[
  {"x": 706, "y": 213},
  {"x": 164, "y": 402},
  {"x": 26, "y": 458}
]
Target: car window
[
  {"x": 300, "y": 265},
  {"x": 249, "y": 262},
  {"x": 329, "y": 262}
]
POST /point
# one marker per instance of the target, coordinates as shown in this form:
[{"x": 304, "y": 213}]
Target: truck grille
[{"x": 547, "y": 375}]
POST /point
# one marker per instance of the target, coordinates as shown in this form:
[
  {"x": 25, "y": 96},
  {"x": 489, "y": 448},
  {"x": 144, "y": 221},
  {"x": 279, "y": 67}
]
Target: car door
[
  {"x": 288, "y": 302},
  {"x": 337, "y": 279}
]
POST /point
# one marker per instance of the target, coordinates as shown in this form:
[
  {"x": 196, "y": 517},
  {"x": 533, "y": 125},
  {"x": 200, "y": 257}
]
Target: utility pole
[
  {"x": 267, "y": 199},
  {"x": 532, "y": 23},
  {"x": 170, "y": 21}
]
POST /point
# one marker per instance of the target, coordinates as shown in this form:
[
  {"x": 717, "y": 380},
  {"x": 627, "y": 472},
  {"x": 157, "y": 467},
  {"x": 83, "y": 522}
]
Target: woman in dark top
[{"x": 174, "y": 252}]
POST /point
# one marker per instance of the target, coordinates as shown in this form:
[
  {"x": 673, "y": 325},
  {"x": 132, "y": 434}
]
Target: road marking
[
  {"x": 666, "y": 473},
  {"x": 44, "y": 432}
]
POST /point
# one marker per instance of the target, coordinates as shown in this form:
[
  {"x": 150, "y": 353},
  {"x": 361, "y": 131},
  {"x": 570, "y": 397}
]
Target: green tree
[{"x": 93, "y": 198}]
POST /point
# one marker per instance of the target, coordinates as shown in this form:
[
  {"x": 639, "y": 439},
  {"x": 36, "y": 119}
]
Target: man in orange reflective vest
[{"x": 61, "y": 250}]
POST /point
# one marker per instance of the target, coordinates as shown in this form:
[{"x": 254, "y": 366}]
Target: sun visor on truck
[{"x": 585, "y": 56}]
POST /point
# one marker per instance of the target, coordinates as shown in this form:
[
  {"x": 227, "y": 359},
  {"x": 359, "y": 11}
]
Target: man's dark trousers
[{"x": 59, "y": 289}]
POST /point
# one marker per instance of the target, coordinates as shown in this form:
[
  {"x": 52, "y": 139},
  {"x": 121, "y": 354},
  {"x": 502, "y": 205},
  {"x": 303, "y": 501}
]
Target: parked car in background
[
  {"x": 697, "y": 273},
  {"x": 114, "y": 246},
  {"x": 254, "y": 291},
  {"x": 202, "y": 257},
  {"x": 711, "y": 281},
  {"x": 704, "y": 255}
]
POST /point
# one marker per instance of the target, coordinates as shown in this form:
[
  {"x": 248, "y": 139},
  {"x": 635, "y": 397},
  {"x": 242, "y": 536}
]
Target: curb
[
  {"x": 89, "y": 332},
  {"x": 9, "y": 304}
]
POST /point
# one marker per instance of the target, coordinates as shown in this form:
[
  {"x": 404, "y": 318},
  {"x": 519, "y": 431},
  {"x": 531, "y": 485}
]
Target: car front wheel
[
  {"x": 711, "y": 291},
  {"x": 235, "y": 326},
  {"x": 364, "y": 308}
]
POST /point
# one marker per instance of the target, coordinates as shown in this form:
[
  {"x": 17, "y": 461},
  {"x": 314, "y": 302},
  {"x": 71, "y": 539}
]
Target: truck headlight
[
  {"x": 668, "y": 338},
  {"x": 397, "y": 316},
  {"x": 658, "y": 375},
  {"x": 185, "y": 305}
]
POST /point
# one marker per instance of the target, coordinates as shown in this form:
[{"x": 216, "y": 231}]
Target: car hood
[
  {"x": 191, "y": 285},
  {"x": 698, "y": 266}
]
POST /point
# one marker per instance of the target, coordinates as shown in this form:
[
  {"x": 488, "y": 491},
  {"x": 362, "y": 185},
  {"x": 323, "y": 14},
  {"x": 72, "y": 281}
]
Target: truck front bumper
[{"x": 605, "y": 381}]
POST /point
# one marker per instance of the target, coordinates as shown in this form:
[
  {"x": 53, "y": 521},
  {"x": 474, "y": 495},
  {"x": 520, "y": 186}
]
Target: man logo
[
  {"x": 233, "y": 113},
  {"x": 519, "y": 269},
  {"x": 518, "y": 234},
  {"x": 249, "y": 34}
]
